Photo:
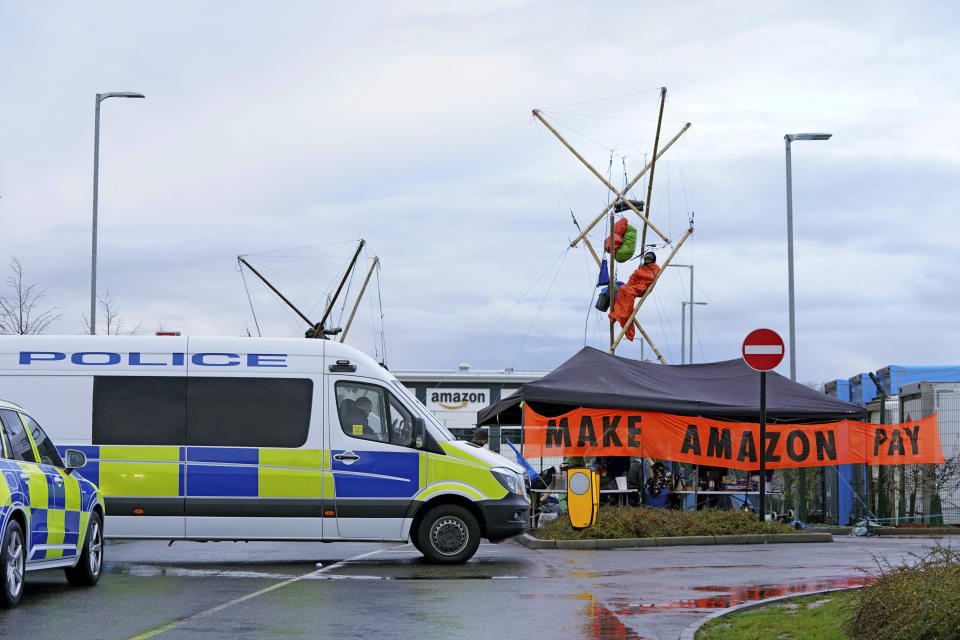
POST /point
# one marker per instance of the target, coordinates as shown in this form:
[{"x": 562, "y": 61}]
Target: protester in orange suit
[{"x": 636, "y": 286}]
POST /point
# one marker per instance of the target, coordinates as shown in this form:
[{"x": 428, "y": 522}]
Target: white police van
[{"x": 203, "y": 438}]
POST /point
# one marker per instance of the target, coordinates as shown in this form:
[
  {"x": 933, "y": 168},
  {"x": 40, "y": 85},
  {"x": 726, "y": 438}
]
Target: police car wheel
[
  {"x": 448, "y": 534},
  {"x": 87, "y": 571},
  {"x": 12, "y": 562}
]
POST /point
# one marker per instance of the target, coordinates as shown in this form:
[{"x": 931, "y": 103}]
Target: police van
[
  {"x": 50, "y": 517},
  {"x": 204, "y": 438}
]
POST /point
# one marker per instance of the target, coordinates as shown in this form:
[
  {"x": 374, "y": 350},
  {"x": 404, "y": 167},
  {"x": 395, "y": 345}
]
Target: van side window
[
  {"x": 48, "y": 452},
  {"x": 17, "y": 435},
  {"x": 135, "y": 410},
  {"x": 360, "y": 407},
  {"x": 201, "y": 411},
  {"x": 248, "y": 412},
  {"x": 371, "y": 413}
]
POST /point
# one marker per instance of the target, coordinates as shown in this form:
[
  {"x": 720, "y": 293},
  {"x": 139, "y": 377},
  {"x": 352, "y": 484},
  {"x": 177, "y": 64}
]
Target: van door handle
[
  {"x": 349, "y": 455},
  {"x": 25, "y": 477},
  {"x": 57, "y": 480}
]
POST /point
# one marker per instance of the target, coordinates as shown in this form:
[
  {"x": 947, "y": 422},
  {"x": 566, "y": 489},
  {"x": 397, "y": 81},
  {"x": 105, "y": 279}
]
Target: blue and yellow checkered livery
[
  {"x": 153, "y": 480},
  {"x": 232, "y": 481},
  {"x": 54, "y": 505},
  {"x": 56, "y": 511}
]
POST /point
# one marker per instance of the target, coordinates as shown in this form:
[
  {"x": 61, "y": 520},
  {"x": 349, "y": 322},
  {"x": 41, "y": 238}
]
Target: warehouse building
[
  {"x": 454, "y": 397},
  {"x": 906, "y": 492}
]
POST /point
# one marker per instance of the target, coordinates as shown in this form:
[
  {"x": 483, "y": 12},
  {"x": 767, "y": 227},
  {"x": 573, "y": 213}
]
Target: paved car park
[{"x": 257, "y": 590}]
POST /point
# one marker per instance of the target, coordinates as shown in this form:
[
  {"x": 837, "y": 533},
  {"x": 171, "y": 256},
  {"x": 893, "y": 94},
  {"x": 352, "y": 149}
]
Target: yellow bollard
[{"x": 583, "y": 496}]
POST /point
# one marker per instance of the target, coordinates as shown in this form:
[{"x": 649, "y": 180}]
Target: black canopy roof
[{"x": 729, "y": 390}]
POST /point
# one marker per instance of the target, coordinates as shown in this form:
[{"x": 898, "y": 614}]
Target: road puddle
[
  {"x": 603, "y": 624},
  {"x": 726, "y": 597}
]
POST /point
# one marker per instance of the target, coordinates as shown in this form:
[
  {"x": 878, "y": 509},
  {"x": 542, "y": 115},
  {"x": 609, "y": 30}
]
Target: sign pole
[
  {"x": 762, "y": 445},
  {"x": 762, "y": 350}
]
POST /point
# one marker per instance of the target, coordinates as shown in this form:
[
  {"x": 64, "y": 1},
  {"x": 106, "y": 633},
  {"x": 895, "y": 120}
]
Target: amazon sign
[
  {"x": 457, "y": 408},
  {"x": 599, "y": 432},
  {"x": 457, "y": 399}
]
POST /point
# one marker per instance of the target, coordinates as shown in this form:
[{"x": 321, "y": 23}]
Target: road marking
[
  {"x": 250, "y": 596},
  {"x": 344, "y": 576}
]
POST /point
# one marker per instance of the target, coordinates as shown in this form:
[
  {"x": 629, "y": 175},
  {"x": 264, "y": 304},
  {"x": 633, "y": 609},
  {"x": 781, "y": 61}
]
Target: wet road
[{"x": 266, "y": 590}]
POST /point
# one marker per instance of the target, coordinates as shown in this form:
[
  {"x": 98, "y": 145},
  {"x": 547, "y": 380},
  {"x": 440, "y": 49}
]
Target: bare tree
[
  {"x": 112, "y": 321},
  {"x": 924, "y": 480},
  {"x": 20, "y": 312}
]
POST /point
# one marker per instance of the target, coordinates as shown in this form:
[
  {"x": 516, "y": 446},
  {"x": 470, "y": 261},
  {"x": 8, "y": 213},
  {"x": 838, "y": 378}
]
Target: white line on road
[{"x": 250, "y": 596}]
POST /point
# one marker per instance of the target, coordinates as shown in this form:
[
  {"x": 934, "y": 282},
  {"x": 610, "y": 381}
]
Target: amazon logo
[{"x": 453, "y": 400}]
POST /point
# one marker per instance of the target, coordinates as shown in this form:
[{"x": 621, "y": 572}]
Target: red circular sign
[{"x": 762, "y": 349}]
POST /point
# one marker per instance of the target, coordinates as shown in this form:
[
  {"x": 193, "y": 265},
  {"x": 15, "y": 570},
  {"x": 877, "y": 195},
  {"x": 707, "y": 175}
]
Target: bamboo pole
[
  {"x": 593, "y": 253},
  {"x": 619, "y": 196},
  {"x": 613, "y": 277},
  {"x": 636, "y": 179},
  {"x": 366, "y": 281},
  {"x": 652, "y": 285},
  {"x": 275, "y": 290},
  {"x": 326, "y": 313},
  {"x": 635, "y": 323},
  {"x": 656, "y": 141},
  {"x": 650, "y": 342}
]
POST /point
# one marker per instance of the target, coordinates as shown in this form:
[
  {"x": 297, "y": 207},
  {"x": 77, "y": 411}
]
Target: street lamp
[
  {"x": 790, "y": 137},
  {"x": 683, "y": 321},
  {"x": 96, "y": 172},
  {"x": 684, "y": 316}
]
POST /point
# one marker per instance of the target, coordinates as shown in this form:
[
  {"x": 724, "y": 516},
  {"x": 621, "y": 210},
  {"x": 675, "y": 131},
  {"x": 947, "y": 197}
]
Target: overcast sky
[{"x": 288, "y": 131}]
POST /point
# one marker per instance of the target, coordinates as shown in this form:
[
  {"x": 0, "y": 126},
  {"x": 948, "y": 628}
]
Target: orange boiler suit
[{"x": 627, "y": 294}]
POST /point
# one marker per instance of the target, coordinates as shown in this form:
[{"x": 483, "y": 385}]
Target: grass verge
[
  {"x": 814, "y": 617},
  {"x": 638, "y": 522},
  {"x": 912, "y": 601},
  {"x": 916, "y": 600}
]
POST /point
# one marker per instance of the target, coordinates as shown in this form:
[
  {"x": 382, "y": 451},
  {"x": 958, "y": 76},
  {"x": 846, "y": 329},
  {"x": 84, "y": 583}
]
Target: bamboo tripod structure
[
  {"x": 317, "y": 330},
  {"x": 622, "y": 197}
]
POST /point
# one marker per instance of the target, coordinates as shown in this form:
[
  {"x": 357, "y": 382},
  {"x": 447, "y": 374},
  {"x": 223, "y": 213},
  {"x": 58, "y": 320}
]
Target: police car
[{"x": 50, "y": 517}]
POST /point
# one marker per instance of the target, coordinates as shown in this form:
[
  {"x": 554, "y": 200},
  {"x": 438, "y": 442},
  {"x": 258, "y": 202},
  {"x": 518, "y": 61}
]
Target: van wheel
[
  {"x": 13, "y": 558},
  {"x": 415, "y": 541},
  {"x": 87, "y": 571},
  {"x": 448, "y": 534}
]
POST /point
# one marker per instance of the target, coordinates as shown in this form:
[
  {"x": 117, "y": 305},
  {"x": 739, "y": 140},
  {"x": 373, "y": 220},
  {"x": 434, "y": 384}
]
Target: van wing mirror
[
  {"x": 74, "y": 459},
  {"x": 419, "y": 432}
]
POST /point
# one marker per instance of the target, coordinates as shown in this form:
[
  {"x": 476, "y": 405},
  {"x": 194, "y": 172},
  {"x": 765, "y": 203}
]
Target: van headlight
[{"x": 510, "y": 479}]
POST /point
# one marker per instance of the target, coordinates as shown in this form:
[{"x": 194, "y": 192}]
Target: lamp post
[
  {"x": 683, "y": 321},
  {"x": 96, "y": 172},
  {"x": 788, "y": 138},
  {"x": 691, "y": 303}
]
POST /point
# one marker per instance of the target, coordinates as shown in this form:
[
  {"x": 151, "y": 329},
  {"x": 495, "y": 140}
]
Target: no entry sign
[{"x": 763, "y": 349}]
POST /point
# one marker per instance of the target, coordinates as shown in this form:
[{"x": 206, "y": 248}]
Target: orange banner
[{"x": 600, "y": 432}]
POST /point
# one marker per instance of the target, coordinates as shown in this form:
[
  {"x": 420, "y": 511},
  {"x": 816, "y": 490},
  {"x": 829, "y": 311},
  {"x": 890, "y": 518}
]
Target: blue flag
[
  {"x": 530, "y": 472},
  {"x": 604, "y": 278}
]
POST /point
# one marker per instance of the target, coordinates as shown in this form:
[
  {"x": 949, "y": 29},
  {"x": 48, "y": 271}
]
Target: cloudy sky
[{"x": 287, "y": 131}]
